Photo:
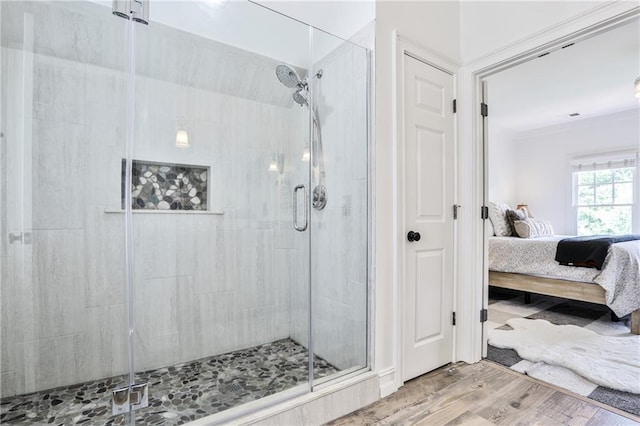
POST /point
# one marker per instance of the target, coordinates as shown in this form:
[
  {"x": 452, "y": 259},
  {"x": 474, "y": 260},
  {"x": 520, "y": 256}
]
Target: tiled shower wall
[{"x": 204, "y": 283}]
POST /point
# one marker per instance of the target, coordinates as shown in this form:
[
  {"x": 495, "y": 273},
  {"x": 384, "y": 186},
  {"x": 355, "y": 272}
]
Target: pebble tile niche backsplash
[{"x": 165, "y": 186}]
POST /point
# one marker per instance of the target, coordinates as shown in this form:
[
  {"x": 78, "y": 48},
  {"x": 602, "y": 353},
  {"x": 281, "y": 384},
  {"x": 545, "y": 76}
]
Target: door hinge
[
  {"x": 484, "y": 110},
  {"x": 455, "y": 106},
  {"x": 484, "y": 212},
  {"x": 484, "y": 315},
  {"x": 130, "y": 398},
  {"x": 20, "y": 237},
  {"x": 453, "y": 318},
  {"x": 455, "y": 211}
]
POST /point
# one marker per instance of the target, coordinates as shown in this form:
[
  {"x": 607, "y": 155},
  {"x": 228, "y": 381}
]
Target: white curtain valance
[{"x": 584, "y": 165}]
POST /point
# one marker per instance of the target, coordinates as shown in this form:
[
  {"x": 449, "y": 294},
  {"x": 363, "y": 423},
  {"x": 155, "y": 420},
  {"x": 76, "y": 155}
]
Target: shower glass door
[
  {"x": 234, "y": 115},
  {"x": 63, "y": 307},
  {"x": 220, "y": 215},
  {"x": 339, "y": 226}
]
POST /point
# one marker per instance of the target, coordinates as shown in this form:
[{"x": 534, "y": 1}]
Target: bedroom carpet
[{"x": 505, "y": 305}]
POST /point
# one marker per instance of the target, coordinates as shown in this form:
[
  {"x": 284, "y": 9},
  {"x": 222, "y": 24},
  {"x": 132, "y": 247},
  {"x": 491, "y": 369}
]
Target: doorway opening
[{"x": 557, "y": 119}]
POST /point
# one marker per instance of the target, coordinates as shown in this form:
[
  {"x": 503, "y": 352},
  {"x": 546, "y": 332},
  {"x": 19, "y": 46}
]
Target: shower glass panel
[
  {"x": 339, "y": 228},
  {"x": 63, "y": 312},
  {"x": 221, "y": 280},
  {"x": 245, "y": 280}
]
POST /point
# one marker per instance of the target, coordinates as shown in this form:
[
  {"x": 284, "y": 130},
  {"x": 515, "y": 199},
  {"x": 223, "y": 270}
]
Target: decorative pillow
[
  {"x": 498, "y": 218},
  {"x": 512, "y": 216},
  {"x": 532, "y": 228}
]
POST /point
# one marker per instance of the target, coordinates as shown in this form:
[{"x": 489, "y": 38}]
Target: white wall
[
  {"x": 502, "y": 168},
  {"x": 542, "y": 159},
  {"x": 434, "y": 25}
]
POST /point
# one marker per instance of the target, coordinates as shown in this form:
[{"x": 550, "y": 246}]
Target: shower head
[
  {"x": 300, "y": 98},
  {"x": 288, "y": 76}
]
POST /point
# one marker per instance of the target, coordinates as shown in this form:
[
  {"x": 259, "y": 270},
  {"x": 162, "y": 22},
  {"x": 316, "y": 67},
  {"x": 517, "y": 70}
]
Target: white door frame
[
  {"x": 401, "y": 46},
  {"x": 473, "y": 278}
]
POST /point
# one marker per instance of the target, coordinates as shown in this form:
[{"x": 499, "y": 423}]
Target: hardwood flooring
[{"x": 483, "y": 394}]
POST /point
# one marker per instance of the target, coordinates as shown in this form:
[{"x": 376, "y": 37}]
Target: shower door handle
[{"x": 295, "y": 208}]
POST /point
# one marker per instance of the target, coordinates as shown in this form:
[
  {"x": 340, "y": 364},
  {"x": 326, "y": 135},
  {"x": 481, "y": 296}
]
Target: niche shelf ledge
[{"x": 189, "y": 212}]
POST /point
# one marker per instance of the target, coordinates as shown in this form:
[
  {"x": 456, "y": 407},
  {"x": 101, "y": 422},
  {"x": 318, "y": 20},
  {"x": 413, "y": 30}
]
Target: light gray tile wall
[{"x": 203, "y": 284}]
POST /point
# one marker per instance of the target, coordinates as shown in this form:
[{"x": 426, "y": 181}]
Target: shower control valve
[{"x": 319, "y": 197}]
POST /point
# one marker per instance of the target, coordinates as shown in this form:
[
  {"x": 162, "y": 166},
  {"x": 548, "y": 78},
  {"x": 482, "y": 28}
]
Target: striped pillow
[
  {"x": 532, "y": 228},
  {"x": 498, "y": 218}
]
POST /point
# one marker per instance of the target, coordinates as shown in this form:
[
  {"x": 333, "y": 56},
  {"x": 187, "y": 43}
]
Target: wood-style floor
[{"x": 484, "y": 394}]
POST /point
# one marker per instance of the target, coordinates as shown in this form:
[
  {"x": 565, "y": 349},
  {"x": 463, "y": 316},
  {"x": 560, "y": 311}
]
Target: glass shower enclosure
[{"x": 184, "y": 211}]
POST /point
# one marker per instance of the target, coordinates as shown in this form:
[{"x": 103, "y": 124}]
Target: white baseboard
[{"x": 387, "y": 382}]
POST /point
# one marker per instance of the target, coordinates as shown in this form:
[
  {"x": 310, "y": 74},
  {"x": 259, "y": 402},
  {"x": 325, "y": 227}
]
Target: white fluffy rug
[
  {"x": 555, "y": 375},
  {"x": 609, "y": 361}
]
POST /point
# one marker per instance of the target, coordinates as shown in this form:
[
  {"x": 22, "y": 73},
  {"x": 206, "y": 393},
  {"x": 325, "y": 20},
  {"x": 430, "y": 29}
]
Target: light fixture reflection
[
  {"x": 636, "y": 85},
  {"x": 273, "y": 165},
  {"x": 305, "y": 154},
  {"x": 182, "y": 136},
  {"x": 277, "y": 163}
]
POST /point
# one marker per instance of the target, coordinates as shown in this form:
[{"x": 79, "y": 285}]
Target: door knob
[{"x": 413, "y": 236}]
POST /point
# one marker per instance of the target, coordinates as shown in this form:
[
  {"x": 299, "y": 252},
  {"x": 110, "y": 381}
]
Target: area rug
[
  {"x": 505, "y": 305},
  {"x": 610, "y": 361}
]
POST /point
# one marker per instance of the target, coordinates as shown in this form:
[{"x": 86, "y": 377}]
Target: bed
[{"x": 528, "y": 264}]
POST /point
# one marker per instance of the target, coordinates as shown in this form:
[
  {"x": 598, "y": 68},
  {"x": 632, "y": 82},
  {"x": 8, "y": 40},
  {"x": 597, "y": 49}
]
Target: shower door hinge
[
  {"x": 453, "y": 319},
  {"x": 20, "y": 237},
  {"x": 484, "y": 315},
  {"x": 455, "y": 106},
  {"x": 136, "y": 10},
  {"x": 130, "y": 398}
]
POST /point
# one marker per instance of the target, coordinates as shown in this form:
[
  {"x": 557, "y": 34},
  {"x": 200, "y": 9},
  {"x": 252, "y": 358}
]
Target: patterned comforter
[{"x": 620, "y": 274}]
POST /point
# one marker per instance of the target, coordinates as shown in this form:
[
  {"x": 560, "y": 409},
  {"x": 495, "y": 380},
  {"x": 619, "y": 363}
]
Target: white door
[{"x": 428, "y": 211}]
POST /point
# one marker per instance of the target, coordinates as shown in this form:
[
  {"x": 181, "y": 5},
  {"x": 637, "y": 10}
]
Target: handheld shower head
[
  {"x": 288, "y": 76},
  {"x": 300, "y": 98}
]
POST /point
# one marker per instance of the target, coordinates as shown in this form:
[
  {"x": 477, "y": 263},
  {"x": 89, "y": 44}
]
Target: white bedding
[{"x": 620, "y": 274}]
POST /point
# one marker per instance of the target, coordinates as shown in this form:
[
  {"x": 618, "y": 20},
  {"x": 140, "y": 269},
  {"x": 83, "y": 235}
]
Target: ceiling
[{"x": 593, "y": 77}]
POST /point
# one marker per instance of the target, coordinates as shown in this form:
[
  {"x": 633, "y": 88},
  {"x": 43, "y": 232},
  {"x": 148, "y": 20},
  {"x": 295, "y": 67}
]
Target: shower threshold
[{"x": 177, "y": 394}]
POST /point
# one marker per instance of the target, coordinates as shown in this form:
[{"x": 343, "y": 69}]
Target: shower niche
[
  {"x": 166, "y": 186},
  {"x": 218, "y": 313}
]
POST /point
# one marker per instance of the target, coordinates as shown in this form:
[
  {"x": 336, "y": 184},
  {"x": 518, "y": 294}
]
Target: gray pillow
[{"x": 512, "y": 216}]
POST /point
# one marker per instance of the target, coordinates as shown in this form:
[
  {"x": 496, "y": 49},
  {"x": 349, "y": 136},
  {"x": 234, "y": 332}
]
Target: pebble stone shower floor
[{"x": 177, "y": 394}]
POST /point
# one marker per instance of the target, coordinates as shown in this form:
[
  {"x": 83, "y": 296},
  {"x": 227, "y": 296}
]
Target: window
[{"x": 604, "y": 197}]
